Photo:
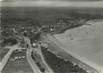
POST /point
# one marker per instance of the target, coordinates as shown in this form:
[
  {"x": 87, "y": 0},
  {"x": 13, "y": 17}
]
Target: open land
[{"x": 34, "y": 22}]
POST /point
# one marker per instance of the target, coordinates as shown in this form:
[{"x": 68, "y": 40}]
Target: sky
[
  {"x": 53, "y": 3},
  {"x": 51, "y": 0}
]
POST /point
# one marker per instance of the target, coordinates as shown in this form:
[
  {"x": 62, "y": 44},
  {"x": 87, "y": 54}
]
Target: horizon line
[{"x": 52, "y": 4}]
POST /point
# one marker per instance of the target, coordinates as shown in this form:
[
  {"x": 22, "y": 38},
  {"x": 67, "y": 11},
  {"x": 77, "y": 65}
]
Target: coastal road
[
  {"x": 28, "y": 55},
  {"x": 31, "y": 62}
]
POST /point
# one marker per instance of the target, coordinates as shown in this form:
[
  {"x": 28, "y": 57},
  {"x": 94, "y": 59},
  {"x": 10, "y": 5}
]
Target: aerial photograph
[{"x": 51, "y": 36}]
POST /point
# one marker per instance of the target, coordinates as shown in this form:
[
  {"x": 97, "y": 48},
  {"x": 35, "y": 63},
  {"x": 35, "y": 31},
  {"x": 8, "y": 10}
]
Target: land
[{"x": 26, "y": 27}]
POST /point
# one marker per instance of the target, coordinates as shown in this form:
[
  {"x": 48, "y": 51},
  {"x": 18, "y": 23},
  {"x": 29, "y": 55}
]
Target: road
[
  {"x": 5, "y": 60},
  {"x": 32, "y": 62}
]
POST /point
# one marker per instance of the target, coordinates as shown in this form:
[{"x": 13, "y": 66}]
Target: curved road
[{"x": 32, "y": 62}]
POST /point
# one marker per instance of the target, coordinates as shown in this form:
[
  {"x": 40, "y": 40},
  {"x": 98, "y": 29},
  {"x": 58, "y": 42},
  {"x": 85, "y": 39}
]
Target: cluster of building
[{"x": 17, "y": 58}]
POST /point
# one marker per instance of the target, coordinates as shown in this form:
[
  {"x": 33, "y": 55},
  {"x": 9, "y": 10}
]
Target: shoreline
[{"x": 75, "y": 53}]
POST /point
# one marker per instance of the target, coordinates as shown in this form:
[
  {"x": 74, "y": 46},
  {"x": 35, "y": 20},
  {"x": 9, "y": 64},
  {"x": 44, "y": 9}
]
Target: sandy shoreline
[{"x": 85, "y": 43}]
